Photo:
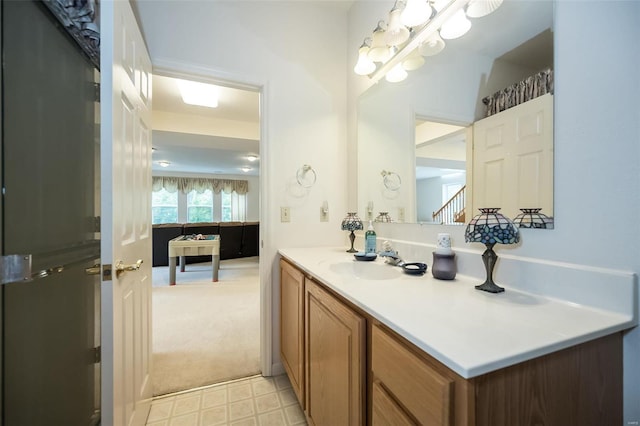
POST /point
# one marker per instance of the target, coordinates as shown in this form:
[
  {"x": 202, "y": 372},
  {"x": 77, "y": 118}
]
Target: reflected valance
[
  {"x": 531, "y": 87},
  {"x": 186, "y": 185}
]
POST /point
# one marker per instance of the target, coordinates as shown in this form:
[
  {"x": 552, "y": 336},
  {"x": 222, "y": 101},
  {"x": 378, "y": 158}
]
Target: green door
[{"x": 50, "y": 146}]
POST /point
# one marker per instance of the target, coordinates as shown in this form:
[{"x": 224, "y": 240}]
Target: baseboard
[{"x": 277, "y": 369}]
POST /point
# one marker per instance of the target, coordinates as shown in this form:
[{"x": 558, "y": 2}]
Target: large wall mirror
[{"x": 421, "y": 132}]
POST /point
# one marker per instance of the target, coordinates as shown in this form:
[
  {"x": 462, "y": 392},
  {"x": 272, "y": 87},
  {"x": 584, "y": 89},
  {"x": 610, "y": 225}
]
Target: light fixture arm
[{"x": 420, "y": 36}]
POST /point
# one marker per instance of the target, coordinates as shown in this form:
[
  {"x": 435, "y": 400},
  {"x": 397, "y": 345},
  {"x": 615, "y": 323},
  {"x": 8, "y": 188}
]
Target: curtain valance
[
  {"x": 531, "y": 87},
  {"x": 186, "y": 185}
]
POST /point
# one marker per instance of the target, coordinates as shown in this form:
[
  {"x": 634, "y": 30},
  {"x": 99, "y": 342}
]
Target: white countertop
[{"x": 470, "y": 331}]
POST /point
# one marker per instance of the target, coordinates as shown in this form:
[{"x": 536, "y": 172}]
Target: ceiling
[{"x": 196, "y": 139}]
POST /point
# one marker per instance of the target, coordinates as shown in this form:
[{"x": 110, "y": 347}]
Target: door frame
[{"x": 187, "y": 70}]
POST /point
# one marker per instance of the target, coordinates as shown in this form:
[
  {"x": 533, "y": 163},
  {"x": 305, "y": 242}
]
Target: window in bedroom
[
  {"x": 164, "y": 207},
  {"x": 234, "y": 207},
  {"x": 200, "y": 206}
]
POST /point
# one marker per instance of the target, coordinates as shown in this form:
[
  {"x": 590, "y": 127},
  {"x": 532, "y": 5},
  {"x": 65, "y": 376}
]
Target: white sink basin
[{"x": 366, "y": 270}]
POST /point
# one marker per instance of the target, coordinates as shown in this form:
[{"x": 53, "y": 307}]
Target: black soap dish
[
  {"x": 414, "y": 268},
  {"x": 367, "y": 257}
]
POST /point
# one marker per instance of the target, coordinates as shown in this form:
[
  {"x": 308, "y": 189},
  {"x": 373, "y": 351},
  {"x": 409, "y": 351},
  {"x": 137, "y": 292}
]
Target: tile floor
[{"x": 257, "y": 400}]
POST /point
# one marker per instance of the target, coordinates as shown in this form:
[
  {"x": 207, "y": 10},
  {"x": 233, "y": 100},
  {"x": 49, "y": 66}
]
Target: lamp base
[
  {"x": 490, "y": 286},
  {"x": 352, "y": 237},
  {"x": 489, "y": 258}
]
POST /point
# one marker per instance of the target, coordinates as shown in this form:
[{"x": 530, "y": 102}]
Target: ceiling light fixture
[
  {"x": 246, "y": 169},
  {"x": 200, "y": 94},
  {"x": 164, "y": 163},
  {"x": 427, "y": 22},
  {"x": 252, "y": 157}
]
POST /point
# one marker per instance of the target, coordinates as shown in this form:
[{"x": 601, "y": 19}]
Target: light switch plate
[
  {"x": 285, "y": 214},
  {"x": 324, "y": 215}
]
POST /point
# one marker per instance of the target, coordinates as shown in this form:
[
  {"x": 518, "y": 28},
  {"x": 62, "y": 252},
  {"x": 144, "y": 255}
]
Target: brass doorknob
[
  {"x": 94, "y": 270},
  {"x": 121, "y": 267}
]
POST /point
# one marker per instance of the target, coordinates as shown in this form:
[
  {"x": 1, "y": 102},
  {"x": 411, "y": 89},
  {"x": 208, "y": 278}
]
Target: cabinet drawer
[
  {"x": 424, "y": 393},
  {"x": 385, "y": 410}
]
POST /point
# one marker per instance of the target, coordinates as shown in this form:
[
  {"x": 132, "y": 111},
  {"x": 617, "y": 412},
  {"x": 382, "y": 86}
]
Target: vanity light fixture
[
  {"x": 379, "y": 50},
  {"x": 480, "y": 8},
  {"x": 396, "y": 74},
  {"x": 417, "y": 12},
  {"x": 429, "y": 22},
  {"x": 491, "y": 228},
  {"x": 364, "y": 65},
  {"x": 456, "y": 26},
  {"x": 396, "y": 33}
]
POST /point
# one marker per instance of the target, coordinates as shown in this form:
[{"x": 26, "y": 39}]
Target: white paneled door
[
  {"x": 513, "y": 158},
  {"x": 126, "y": 217}
]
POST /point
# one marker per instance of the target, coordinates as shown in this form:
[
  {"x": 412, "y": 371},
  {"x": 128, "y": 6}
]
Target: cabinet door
[
  {"x": 335, "y": 360},
  {"x": 291, "y": 326}
]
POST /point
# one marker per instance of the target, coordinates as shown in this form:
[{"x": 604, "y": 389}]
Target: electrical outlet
[
  {"x": 285, "y": 214},
  {"x": 400, "y": 214}
]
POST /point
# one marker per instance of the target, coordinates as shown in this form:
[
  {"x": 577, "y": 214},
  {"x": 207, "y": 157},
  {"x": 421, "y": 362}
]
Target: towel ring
[
  {"x": 306, "y": 176},
  {"x": 391, "y": 180}
]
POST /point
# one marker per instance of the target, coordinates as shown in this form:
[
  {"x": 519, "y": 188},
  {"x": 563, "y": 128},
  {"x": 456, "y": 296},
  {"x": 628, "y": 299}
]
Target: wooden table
[{"x": 187, "y": 245}]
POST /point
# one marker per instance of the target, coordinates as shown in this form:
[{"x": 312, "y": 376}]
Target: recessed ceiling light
[
  {"x": 246, "y": 169},
  {"x": 164, "y": 163},
  {"x": 252, "y": 157},
  {"x": 200, "y": 94}
]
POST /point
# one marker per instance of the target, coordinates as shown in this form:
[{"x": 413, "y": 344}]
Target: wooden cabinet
[
  {"x": 335, "y": 360},
  {"x": 348, "y": 368},
  {"x": 291, "y": 326},
  {"x": 425, "y": 394}
]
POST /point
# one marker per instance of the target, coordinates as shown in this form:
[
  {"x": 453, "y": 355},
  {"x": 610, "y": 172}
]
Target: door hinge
[
  {"x": 96, "y": 354},
  {"x": 14, "y": 268},
  {"x": 96, "y": 95}
]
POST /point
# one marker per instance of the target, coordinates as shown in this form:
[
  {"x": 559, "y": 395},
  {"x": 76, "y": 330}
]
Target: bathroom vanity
[{"x": 364, "y": 343}]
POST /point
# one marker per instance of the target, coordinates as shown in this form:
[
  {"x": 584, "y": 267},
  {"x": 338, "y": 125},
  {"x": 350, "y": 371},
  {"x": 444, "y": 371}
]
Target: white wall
[
  {"x": 296, "y": 51},
  {"x": 597, "y": 153}
]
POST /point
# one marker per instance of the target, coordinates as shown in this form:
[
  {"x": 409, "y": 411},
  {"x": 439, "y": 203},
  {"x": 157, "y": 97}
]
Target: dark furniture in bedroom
[{"x": 237, "y": 239}]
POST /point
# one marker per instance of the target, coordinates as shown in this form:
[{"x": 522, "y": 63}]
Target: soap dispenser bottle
[{"x": 370, "y": 239}]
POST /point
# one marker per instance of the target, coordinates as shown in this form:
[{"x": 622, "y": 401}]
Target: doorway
[{"x": 222, "y": 144}]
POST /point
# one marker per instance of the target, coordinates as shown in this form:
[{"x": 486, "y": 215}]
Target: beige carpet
[{"x": 204, "y": 332}]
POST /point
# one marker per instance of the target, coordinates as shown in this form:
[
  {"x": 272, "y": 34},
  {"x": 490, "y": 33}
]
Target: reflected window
[
  {"x": 200, "y": 206},
  {"x": 164, "y": 206}
]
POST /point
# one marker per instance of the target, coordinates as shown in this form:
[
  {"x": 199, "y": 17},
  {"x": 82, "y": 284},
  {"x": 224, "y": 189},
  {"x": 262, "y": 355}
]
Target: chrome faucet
[{"x": 392, "y": 258}]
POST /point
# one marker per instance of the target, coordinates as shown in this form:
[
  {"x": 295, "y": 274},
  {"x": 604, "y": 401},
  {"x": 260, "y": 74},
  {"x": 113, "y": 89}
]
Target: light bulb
[
  {"x": 364, "y": 65},
  {"x": 480, "y": 8},
  {"x": 416, "y": 12},
  {"x": 396, "y": 74},
  {"x": 396, "y": 32},
  {"x": 379, "y": 51},
  {"x": 413, "y": 61},
  {"x": 432, "y": 46},
  {"x": 456, "y": 26}
]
